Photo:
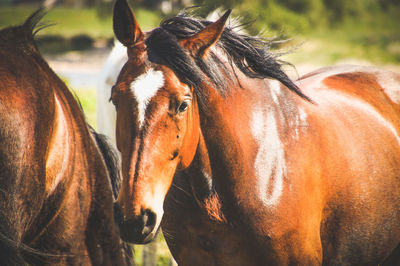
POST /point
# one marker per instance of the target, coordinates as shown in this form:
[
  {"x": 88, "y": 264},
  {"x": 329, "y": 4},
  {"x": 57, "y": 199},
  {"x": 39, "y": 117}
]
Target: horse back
[
  {"x": 350, "y": 150},
  {"x": 27, "y": 114},
  {"x": 355, "y": 100},
  {"x": 367, "y": 83},
  {"x": 56, "y": 201}
]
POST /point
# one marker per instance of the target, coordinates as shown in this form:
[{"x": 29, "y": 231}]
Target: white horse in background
[{"x": 106, "y": 115}]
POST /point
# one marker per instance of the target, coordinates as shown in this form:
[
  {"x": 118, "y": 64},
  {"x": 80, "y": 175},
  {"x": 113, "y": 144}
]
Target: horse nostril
[
  {"x": 149, "y": 221},
  {"x": 136, "y": 229}
]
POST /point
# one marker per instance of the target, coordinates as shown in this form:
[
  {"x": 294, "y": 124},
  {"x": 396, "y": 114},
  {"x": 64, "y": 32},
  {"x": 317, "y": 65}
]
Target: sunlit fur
[
  {"x": 255, "y": 169},
  {"x": 56, "y": 174}
]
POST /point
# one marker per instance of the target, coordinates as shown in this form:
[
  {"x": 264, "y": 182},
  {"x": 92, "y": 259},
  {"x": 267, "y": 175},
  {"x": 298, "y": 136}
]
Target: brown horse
[
  {"x": 239, "y": 165},
  {"x": 56, "y": 205}
]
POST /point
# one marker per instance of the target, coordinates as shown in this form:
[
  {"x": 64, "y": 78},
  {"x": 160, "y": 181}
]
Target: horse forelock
[
  {"x": 163, "y": 48},
  {"x": 249, "y": 54}
]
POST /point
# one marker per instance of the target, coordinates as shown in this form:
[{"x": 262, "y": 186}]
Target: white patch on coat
[
  {"x": 154, "y": 201},
  {"x": 270, "y": 165},
  {"x": 299, "y": 122},
  {"x": 388, "y": 80},
  {"x": 390, "y": 84},
  {"x": 370, "y": 110},
  {"x": 144, "y": 88},
  {"x": 275, "y": 87},
  {"x": 302, "y": 116},
  {"x": 365, "y": 108}
]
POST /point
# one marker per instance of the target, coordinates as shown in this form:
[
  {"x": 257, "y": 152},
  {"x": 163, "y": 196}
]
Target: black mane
[
  {"x": 111, "y": 160},
  {"x": 249, "y": 54}
]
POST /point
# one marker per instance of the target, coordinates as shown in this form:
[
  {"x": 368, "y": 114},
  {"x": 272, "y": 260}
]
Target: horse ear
[
  {"x": 200, "y": 42},
  {"x": 126, "y": 28}
]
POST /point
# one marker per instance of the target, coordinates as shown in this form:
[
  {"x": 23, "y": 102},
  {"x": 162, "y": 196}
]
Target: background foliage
[
  {"x": 364, "y": 29},
  {"x": 330, "y": 29}
]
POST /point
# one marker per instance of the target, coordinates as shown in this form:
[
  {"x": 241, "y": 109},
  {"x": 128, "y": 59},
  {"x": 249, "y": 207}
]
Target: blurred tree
[
  {"x": 338, "y": 10},
  {"x": 300, "y": 6},
  {"x": 214, "y": 4},
  {"x": 312, "y": 9},
  {"x": 389, "y": 3}
]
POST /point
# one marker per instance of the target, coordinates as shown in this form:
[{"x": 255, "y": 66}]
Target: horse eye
[{"x": 183, "y": 107}]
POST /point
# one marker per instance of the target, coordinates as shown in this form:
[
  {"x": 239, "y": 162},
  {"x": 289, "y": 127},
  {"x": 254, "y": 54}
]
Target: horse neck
[{"x": 246, "y": 127}]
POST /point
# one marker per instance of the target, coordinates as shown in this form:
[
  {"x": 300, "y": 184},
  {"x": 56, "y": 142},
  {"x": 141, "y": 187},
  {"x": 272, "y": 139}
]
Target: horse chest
[
  {"x": 195, "y": 238},
  {"x": 200, "y": 241}
]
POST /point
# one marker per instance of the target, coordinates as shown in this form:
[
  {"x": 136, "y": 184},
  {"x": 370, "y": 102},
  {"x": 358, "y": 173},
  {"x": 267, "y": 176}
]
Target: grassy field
[
  {"x": 330, "y": 30},
  {"x": 87, "y": 99},
  {"x": 378, "y": 44},
  {"x": 373, "y": 38},
  {"x": 71, "y": 22}
]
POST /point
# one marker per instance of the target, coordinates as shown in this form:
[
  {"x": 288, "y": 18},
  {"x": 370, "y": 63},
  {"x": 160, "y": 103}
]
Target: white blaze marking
[
  {"x": 270, "y": 159},
  {"x": 154, "y": 200},
  {"x": 144, "y": 88}
]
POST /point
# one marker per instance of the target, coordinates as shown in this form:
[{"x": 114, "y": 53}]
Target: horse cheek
[{"x": 191, "y": 138}]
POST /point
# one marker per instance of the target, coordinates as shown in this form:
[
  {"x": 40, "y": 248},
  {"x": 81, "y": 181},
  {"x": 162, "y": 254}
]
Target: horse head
[{"x": 158, "y": 125}]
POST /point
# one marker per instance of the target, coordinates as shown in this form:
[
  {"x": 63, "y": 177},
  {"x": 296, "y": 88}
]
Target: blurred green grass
[
  {"x": 87, "y": 99},
  {"x": 371, "y": 37},
  {"x": 163, "y": 253},
  {"x": 72, "y": 21},
  {"x": 377, "y": 42}
]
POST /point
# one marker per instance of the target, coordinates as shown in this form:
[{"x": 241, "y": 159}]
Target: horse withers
[
  {"x": 241, "y": 165},
  {"x": 56, "y": 204}
]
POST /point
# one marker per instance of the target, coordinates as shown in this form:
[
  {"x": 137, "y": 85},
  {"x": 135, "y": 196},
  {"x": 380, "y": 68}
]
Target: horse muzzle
[{"x": 139, "y": 229}]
